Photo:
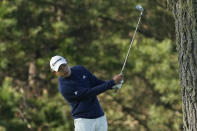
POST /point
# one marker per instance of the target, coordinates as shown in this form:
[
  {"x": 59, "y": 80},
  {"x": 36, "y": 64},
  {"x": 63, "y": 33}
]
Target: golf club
[{"x": 139, "y": 8}]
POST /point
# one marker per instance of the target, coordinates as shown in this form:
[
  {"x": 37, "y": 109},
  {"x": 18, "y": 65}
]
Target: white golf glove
[{"x": 118, "y": 86}]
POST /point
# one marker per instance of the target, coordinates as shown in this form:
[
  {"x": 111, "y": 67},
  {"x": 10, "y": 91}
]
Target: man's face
[{"x": 64, "y": 70}]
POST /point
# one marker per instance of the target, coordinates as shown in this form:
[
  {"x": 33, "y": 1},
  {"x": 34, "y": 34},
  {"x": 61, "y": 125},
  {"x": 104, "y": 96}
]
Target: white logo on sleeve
[
  {"x": 84, "y": 76},
  {"x": 76, "y": 92}
]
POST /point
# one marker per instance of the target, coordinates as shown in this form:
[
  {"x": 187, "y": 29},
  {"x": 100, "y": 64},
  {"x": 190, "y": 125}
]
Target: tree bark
[
  {"x": 185, "y": 14},
  {"x": 31, "y": 91}
]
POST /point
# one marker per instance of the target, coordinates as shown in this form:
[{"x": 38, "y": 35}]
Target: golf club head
[{"x": 140, "y": 8}]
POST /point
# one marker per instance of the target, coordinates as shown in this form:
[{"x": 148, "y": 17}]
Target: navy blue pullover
[{"x": 80, "y": 89}]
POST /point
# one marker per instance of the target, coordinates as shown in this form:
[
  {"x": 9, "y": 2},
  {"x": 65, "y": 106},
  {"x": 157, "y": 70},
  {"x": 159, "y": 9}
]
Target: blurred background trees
[{"x": 95, "y": 34}]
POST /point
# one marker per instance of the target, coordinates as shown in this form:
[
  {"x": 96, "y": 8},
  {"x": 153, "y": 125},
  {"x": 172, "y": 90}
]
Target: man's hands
[{"x": 118, "y": 78}]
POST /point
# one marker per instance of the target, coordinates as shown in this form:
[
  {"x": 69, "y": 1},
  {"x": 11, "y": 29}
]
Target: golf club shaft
[{"x": 131, "y": 44}]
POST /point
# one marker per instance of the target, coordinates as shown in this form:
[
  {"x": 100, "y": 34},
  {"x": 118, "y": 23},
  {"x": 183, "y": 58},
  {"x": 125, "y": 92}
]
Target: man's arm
[
  {"x": 81, "y": 93},
  {"x": 76, "y": 92}
]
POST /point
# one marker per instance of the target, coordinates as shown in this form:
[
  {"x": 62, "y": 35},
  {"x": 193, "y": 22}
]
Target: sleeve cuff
[{"x": 111, "y": 83}]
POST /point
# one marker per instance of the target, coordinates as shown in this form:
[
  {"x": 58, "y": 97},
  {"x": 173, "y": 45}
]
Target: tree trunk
[
  {"x": 32, "y": 74},
  {"x": 32, "y": 80},
  {"x": 185, "y": 13}
]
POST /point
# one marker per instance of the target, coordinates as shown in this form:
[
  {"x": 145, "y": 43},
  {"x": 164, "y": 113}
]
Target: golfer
[{"x": 80, "y": 88}]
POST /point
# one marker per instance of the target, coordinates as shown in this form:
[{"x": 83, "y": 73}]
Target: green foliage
[
  {"x": 42, "y": 114},
  {"x": 159, "y": 66},
  {"x": 9, "y": 107},
  {"x": 48, "y": 114}
]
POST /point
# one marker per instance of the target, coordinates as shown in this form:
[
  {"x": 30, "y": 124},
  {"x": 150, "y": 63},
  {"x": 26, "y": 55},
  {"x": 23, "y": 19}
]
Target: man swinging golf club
[{"x": 80, "y": 88}]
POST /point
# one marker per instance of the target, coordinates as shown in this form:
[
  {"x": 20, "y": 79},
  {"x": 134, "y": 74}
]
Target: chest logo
[
  {"x": 84, "y": 77},
  {"x": 76, "y": 92}
]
